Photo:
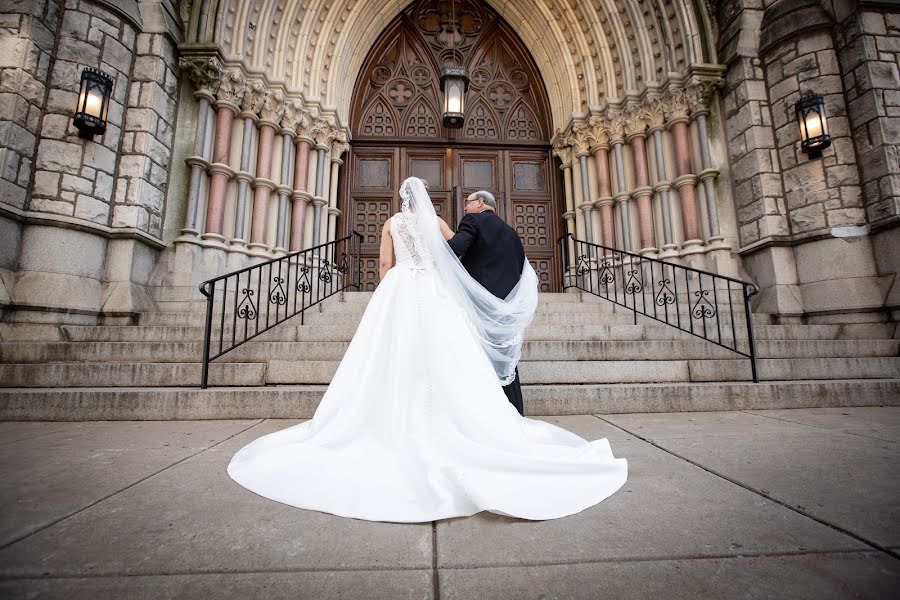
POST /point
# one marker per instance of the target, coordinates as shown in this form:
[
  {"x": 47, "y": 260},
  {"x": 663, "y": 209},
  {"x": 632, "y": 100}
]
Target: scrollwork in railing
[
  {"x": 304, "y": 285},
  {"x": 236, "y": 311},
  {"x": 711, "y": 312},
  {"x": 278, "y": 295},
  {"x": 325, "y": 271},
  {"x": 664, "y": 296},
  {"x": 583, "y": 267},
  {"x": 247, "y": 309},
  {"x": 633, "y": 285},
  {"x": 606, "y": 273},
  {"x": 703, "y": 308}
]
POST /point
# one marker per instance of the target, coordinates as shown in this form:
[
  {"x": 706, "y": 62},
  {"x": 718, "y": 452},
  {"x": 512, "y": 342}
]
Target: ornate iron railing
[
  {"x": 719, "y": 311},
  {"x": 246, "y": 303}
]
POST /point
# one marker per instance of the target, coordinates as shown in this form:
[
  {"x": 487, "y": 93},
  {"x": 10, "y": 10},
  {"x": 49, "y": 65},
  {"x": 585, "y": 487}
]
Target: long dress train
[{"x": 415, "y": 426}]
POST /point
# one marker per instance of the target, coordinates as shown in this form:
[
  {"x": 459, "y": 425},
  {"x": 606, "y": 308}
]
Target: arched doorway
[{"x": 503, "y": 147}]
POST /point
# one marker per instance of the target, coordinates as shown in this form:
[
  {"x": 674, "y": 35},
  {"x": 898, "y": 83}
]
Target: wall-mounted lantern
[
  {"x": 454, "y": 85},
  {"x": 93, "y": 103},
  {"x": 814, "y": 136}
]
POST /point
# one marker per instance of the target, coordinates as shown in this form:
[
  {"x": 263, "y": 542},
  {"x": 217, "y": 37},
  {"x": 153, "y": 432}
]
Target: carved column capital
[
  {"x": 272, "y": 107},
  {"x": 580, "y": 138},
  {"x": 634, "y": 119},
  {"x": 655, "y": 112},
  {"x": 598, "y": 132},
  {"x": 231, "y": 89},
  {"x": 254, "y": 93},
  {"x": 564, "y": 153},
  {"x": 700, "y": 91},
  {"x": 677, "y": 106},
  {"x": 339, "y": 145},
  {"x": 205, "y": 72}
]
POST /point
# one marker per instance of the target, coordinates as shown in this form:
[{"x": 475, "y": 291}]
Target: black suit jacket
[{"x": 490, "y": 250}]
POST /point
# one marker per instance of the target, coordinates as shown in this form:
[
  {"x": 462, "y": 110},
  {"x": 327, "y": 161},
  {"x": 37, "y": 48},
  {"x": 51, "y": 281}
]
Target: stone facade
[
  {"x": 806, "y": 225},
  {"x": 225, "y": 139}
]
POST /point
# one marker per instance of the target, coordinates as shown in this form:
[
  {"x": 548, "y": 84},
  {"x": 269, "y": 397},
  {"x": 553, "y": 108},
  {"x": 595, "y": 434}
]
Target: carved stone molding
[
  {"x": 272, "y": 107},
  {"x": 231, "y": 89},
  {"x": 204, "y": 71},
  {"x": 677, "y": 105},
  {"x": 254, "y": 96}
]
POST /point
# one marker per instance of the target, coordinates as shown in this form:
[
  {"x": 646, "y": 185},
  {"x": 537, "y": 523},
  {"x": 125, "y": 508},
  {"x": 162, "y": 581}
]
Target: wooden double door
[{"x": 522, "y": 181}]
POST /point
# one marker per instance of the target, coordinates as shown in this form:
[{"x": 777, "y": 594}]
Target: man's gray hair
[{"x": 487, "y": 197}]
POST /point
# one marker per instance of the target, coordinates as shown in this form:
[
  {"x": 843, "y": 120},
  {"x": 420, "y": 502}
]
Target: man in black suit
[{"x": 492, "y": 253}]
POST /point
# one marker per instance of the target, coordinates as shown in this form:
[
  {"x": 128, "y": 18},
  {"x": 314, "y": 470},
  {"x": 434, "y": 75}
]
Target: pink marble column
[
  {"x": 263, "y": 184},
  {"x": 685, "y": 182},
  {"x": 605, "y": 201},
  {"x": 642, "y": 192},
  {"x": 215, "y": 209},
  {"x": 300, "y": 195}
]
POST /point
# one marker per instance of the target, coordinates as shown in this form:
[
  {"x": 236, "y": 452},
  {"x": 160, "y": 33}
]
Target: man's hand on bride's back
[{"x": 445, "y": 229}]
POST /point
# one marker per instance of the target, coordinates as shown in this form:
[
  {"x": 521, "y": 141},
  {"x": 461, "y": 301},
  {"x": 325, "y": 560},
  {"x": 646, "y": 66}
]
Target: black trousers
[{"x": 513, "y": 392}]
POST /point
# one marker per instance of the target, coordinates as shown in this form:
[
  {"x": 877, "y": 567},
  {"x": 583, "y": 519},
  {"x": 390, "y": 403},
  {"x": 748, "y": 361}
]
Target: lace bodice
[{"x": 407, "y": 242}]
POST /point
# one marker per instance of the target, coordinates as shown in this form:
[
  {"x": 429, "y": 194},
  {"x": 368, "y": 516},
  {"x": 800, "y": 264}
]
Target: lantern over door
[
  {"x": 814, "y": 136},
  {"x": 454, "y": 85},
  {"x": 93, "y": 102}
]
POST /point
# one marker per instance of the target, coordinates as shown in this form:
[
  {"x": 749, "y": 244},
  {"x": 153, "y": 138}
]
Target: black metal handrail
[
  {"x": 620, "y": 276},
  {"x": 293, "y": 283}
]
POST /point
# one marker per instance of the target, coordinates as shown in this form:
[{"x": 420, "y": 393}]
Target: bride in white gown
[{"x": 415, "y": 426}]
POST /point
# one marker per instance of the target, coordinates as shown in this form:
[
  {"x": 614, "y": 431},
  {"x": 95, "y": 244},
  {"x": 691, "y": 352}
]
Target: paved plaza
[{"x": 794, "y": 504}]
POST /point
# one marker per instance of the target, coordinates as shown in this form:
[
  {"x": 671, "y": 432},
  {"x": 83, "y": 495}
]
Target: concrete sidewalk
[{"x": 752, "y": 504}]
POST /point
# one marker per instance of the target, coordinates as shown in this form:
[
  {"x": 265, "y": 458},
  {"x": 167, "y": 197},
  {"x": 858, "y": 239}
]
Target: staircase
[{"x": 582, "y": 355}]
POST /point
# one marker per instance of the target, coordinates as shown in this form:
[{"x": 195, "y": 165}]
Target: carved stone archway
[{"x": 504, "y": 145}]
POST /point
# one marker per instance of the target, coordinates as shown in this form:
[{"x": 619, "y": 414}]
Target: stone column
[
  {"x": 635, "y": 124},
  {"x": 580, "y": 134},
  {"x": 301, "y": 195},
  {"x": 230, "y": 94},
  {"x": 685, "y": 181},
  {"x": 564, "y": 153},
  {"x": 253, "y": 98},
  {"x": 578, "y": 197},
  {"x": 322, "y": 133},
  {"x": 657, "y": 122},
  {"x": 263, "y": 186},
  {"x": 622, "y": 195},
  {"x": 338, "y": 147},
  {"x": 205, "y": 73},
  {"x": 288, "y": 124},
  {"x": 604, "y": 201},
  {"x": 700, "y": 111}
]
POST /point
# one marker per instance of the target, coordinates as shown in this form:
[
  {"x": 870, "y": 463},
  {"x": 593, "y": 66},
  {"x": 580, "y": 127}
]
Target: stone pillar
[
  {"x": 622, "y": 195},
  {"x": 635, "y": 124},
  {"x": 586, "y": 205},
  {"x": 578, "y": 197},
  {"x": 198, "y": 163},
  {"x": 604, "y": 201},
  {"x": 229, "y": 96},
  {"x": 564, "y": 153},
  {"x": 301, "y": 195},
  {"x": 685, "y": 181},
  {"x": 663, "y": 185},
  {"x": 270, "y": 115},
  {"x": 253, "y": 98},
  {"x": 284, "y": 189},
  {"x": 338, "y": 147}
]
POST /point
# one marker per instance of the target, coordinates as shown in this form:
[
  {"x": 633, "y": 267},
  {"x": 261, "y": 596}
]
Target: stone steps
[
  {"x": 581, "y": 354},
  {"x": 161, "y": 403},
  {"x": 343, "y": 331},
  {"x": 539, "y": 372},
  {"x": 263, "y": 351}
]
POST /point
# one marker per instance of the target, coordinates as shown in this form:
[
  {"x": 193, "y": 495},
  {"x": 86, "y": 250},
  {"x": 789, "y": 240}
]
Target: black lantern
[
  {"x": 814, "y": 137},
  {"x": 454, "y": 85},
  {"x": 93, "y": 103}
]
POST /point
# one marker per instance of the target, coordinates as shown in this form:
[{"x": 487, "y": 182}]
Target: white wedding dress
[{"x": 415, "y": 425}]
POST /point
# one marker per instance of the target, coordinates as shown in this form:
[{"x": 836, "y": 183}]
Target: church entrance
[{"x": 503, "y": 146}]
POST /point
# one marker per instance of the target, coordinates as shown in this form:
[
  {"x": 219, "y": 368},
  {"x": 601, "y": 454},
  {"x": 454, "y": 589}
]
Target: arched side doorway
[{"x": 503, "y": 146}]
